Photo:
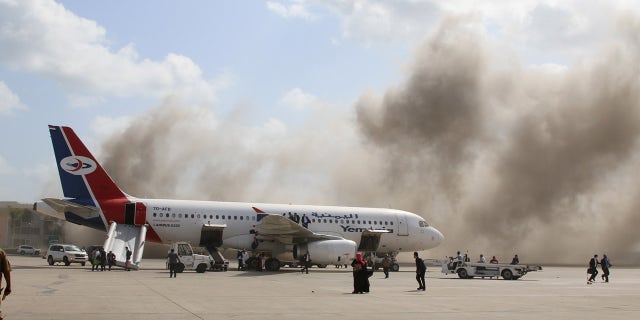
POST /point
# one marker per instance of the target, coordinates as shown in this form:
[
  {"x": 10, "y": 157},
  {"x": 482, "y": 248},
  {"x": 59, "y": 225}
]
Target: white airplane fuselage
[{"x": 181, "y": 220}]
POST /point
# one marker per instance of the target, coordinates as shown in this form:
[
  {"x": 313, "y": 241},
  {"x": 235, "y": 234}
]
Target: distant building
[{"x": 19, "y": 224}]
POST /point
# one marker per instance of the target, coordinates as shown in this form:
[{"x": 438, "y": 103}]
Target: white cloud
[
  {"x": 43, "y": 37},
  {"x": 104, "y": 127},
  {"x": 296, "y": 9},
  {"x": 85, "y": 101},
  {"x": 543, "y": 31},
  {"x": 300, "y": 100},
  {"x": 9, "y": 101}
]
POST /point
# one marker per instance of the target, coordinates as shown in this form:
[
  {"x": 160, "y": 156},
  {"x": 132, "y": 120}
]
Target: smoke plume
[{"x": 503, "y": 158}]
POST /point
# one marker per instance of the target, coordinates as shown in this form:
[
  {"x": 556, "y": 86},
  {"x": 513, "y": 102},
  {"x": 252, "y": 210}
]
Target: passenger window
[
  {"x": 154, "y": 214},
  {"x": 223, "y": 217},
  {"x": 192, "y": 216},
  {"x": 217, "y": 216},
  {"x": 173, "y": 215},
  {"x": 241, "y": 217},
  {"x": 235, "y": 217}
]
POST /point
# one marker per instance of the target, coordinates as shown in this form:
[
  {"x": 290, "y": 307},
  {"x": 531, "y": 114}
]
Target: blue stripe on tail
[{"x": 73, "y": 186}]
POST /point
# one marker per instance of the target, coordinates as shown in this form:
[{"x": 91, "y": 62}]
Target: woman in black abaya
[{"x": 360, "y": 275}]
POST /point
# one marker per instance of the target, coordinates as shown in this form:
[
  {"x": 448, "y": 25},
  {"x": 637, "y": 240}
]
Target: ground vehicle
[
  {"x": 198, "y": 262},
  {"x": 468, "y": 270},
  {"x": 25, "y": 249},
  {"x": 66, "y": 253}
]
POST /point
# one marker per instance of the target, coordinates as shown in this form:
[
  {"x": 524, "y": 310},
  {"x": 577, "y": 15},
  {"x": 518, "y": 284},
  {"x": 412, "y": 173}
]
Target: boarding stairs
[{"x": 123, "y": 236}]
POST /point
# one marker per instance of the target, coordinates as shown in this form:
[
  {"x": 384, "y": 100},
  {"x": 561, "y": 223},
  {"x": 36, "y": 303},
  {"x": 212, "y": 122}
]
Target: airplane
[{"x": 329, "y": 234}]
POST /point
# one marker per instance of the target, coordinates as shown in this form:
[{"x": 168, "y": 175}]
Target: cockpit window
[{"x": 423, "y": 224}]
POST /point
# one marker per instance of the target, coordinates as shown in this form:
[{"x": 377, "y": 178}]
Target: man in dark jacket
[
  {"x": 421, "y": 269},
  {"x": 593, "y": 268}
]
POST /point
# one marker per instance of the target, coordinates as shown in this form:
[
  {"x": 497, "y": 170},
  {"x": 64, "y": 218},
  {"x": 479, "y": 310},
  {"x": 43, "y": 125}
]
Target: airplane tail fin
[
  {"x": 80, "y": 173},
  {"x": 83, "y": 179}
]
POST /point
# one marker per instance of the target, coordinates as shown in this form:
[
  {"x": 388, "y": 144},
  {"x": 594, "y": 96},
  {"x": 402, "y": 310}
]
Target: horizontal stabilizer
[
  {"x": 63, "y": 206},
  {"x": 43, "y": 208}
]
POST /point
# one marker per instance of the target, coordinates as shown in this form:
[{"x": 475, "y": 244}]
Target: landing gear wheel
[
  {"x": 66, "y": 261},
  {"x": 462, "y": 274},
  {"x": 395, "y": 267},
  {"x": 50, "y": 260},
  {"x": 201, "y": 268},
  {"x": 252, "y": 263},
  {"x": 272, "y": 264},
  {"x": 179, "y": 267},
  {"x": 83, "y": 263},
  {"x": 507, "y": 274}
]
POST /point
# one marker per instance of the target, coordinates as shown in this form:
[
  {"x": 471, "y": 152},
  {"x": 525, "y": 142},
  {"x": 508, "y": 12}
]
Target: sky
[{"x": 506, "y": 124}]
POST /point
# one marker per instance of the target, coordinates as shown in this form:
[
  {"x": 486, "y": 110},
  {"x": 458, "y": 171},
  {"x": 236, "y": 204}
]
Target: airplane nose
[{"x": 438, "y": 237}]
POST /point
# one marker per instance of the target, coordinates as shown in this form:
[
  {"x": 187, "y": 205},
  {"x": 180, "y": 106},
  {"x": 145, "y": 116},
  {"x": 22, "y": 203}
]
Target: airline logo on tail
[{"x": 78, "y": 165}]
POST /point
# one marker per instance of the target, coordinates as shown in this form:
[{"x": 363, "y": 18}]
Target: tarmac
[{"x": 41, "y": 291}]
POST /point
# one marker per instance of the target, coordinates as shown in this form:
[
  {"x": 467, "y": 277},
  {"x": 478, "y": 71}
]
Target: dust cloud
[{"x": 503, "y": 158}]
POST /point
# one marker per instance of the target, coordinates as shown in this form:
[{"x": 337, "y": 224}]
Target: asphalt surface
[{"x": 41, "y": 291}]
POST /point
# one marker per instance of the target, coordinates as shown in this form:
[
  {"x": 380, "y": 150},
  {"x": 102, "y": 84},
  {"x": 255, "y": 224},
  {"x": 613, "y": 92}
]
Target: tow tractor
[
  {"x": 469, "y": 270},
  {"x": 198, "y": 262}
]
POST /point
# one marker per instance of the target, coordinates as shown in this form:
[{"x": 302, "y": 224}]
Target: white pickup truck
[{"x": 469, "y": 270}]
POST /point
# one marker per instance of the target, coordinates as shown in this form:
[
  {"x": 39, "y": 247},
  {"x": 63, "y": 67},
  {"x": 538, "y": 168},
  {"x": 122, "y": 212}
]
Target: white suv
[
  {"x": 24, "y": 249},
  {"x": 67, "y": 253}
]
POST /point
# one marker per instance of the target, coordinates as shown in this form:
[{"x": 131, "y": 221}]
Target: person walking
[
  {"x": 305, "y": 221},
  {"x": 111, "y": 259},
  {"x": 360, "y": 274},
  {"x": 593, "y": 269},
  {"x": 386, "y": 265},
  {"x": 174, "y": 259},
  {"x": 103, "y": 259},
  {"x": 605, "y": 265},
  {"x": 421, "y": 269},
  {"x": 95, "y": 259},
  {"x": 239, "y": 257},
  {"x": 128, "y": 259},
  {"x": 245, "y": 257},
  {"x": 5, "y": 271},
  {"x": 306, "y": 263}
]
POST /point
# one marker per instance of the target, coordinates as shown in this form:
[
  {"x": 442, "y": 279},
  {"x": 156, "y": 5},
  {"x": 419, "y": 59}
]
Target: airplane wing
[
  {"x": 277, "y": 227},
  {"x": 57, "y": 207}
]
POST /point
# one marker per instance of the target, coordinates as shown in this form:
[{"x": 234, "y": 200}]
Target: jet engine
[{"x": 327, "y": 251}]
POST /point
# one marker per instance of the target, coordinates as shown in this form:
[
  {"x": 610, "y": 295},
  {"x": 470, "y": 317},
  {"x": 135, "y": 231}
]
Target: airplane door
[
  {"x": 129, "y": 213},
  {"x": 369, "y": 241},
  {"x": 141, "y": 214},
  {"x": 403, "y": 227}
]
